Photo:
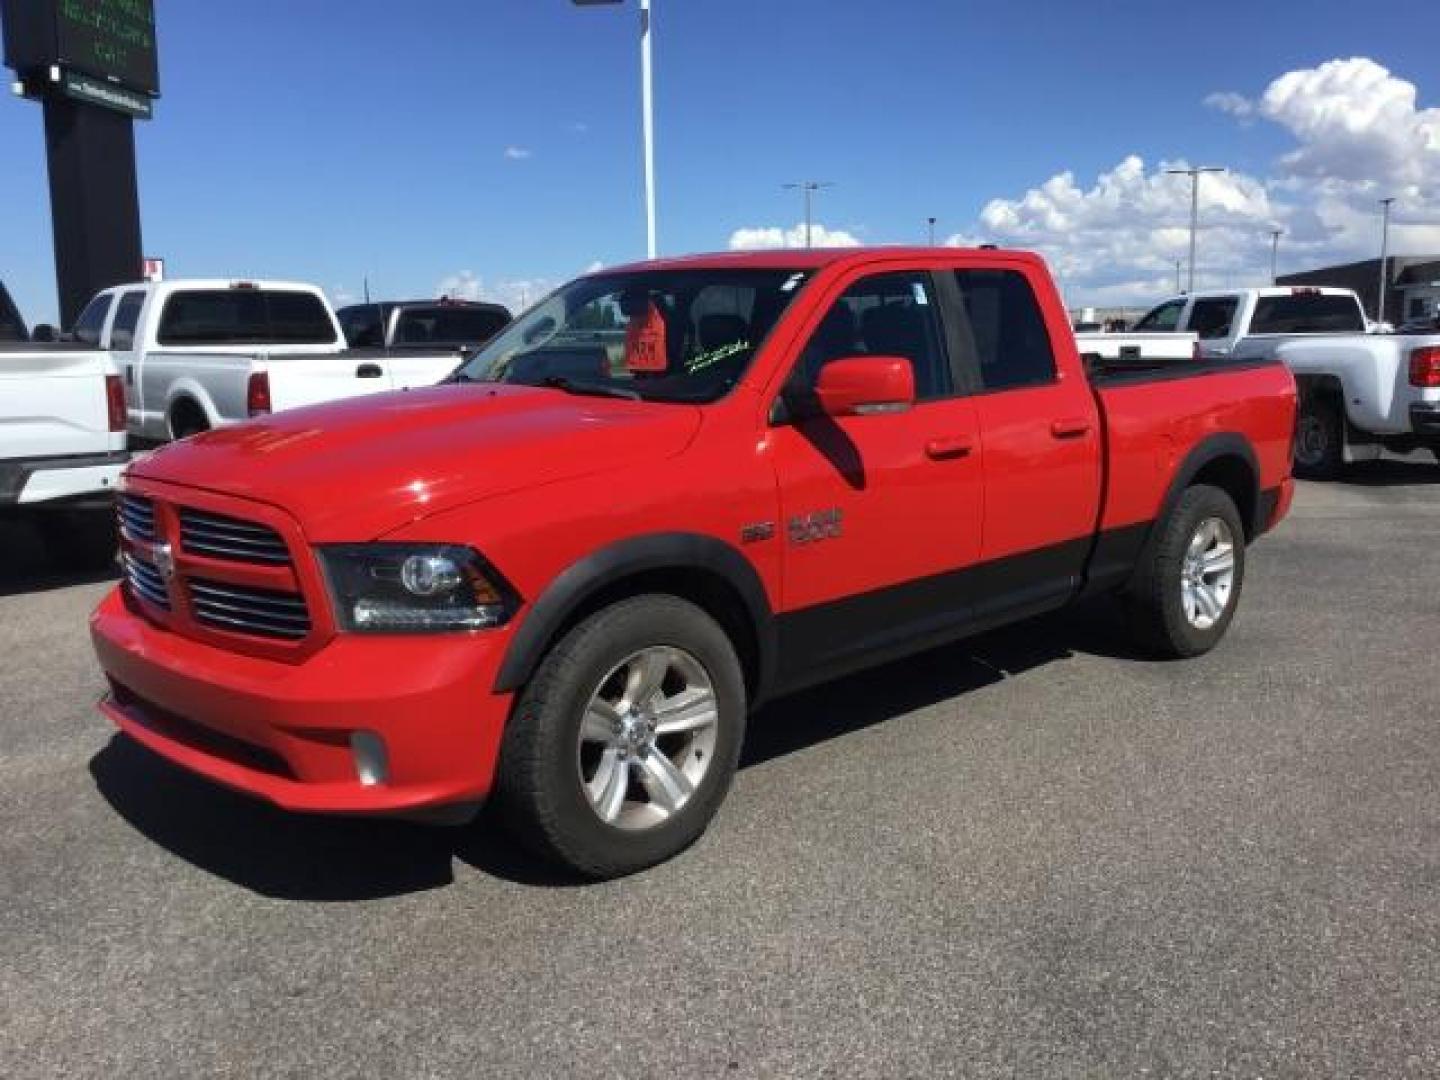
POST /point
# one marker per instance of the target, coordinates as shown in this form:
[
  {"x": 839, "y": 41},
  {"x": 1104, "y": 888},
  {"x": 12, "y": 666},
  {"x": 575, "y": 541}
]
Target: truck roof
[
  {"x": 178, "y": 284},
  {"x": 1267, "y": 290},
  {"x": 803, "y": 258}
]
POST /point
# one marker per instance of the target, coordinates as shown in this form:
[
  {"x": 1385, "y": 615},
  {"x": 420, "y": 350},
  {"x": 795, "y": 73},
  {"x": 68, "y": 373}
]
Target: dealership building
[{"x": 1412, "y": 289}]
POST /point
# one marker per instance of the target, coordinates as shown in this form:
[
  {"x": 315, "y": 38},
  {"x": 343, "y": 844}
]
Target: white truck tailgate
[{"x": 53, "y": 404}]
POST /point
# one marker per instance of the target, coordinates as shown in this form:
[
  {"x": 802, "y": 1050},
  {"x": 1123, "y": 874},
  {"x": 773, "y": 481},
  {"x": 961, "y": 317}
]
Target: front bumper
[{"x": 286, "y": 732}]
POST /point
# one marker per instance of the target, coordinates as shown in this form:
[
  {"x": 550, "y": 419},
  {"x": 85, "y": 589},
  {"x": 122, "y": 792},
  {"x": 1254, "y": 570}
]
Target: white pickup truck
[
  {"x": 62, "y": 446},
  {"x": 200, "y": 354},
  {"x": 1244, "y": 324},
  {"x": 1361, "y": 394}
]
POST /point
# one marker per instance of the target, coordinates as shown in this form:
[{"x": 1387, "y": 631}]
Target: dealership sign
[{"x": 86, "y": 45}]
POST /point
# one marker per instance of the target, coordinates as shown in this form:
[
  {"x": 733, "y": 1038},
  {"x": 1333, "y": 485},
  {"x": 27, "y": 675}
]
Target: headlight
[{"x": 414, "y": 588}]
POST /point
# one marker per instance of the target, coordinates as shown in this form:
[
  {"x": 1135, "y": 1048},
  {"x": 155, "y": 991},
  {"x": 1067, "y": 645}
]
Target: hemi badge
[{"x": 754, "y": 534}]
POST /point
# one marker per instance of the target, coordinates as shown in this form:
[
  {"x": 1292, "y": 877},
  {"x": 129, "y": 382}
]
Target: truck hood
[{"x": 355, "y": 470}]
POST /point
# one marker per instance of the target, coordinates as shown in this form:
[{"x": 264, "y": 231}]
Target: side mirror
[
  {"x": 862, "y": 385},
  {"x": 45, "y": 333}
]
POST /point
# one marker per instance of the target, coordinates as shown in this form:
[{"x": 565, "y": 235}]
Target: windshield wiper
[{"x": 570, "y": 386}]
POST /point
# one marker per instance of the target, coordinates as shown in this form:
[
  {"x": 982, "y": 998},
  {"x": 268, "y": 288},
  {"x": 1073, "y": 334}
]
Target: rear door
[
  {"x": 128, "y": 352},
  {"x": 880, "y": 514},
  {"x": 1039, "y": 432}
]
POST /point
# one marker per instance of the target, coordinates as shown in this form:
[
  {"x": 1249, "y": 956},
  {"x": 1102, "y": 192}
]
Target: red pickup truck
[{"x": 668, "y": 493}]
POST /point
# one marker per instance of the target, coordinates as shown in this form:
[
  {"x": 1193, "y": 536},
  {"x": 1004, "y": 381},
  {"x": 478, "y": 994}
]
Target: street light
[
  {"x": 931, "y": 223},
  {"x": 809, "y": 187},
  {"x": 648, "y": 107},
  {"x": 1194, "y": 174},
  {"x": 1384, "y": 255},
  {"x": 1275, "y": 235}
]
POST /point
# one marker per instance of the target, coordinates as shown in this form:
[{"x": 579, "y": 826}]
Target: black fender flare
[
  {"x": 1210, "y": 449},
  {"x": 583, "y": 579}
]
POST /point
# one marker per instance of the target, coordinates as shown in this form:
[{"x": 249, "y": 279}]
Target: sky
[{"x": 491, "y": 148}]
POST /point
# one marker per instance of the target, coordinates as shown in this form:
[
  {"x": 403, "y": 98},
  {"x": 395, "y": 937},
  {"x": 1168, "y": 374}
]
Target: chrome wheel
[
  {"x": 647, "y": 738},
  {"x": 1207, "y": 574},
  {"x": 1311, "y": 439}
]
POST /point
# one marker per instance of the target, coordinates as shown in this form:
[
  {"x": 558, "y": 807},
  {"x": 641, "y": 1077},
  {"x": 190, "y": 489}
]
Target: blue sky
[{"x": 326, "y": 141}]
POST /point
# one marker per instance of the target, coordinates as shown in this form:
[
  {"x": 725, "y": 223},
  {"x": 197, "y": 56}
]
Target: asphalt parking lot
[{"x": 1032, "y": 854}]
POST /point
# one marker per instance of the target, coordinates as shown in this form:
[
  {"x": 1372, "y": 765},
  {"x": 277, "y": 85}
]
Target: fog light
[{"x": 371, "y": 763}]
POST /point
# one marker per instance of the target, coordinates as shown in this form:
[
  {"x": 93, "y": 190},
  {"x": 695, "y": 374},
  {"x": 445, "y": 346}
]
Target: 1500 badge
[{"x": 820, "y": 525}]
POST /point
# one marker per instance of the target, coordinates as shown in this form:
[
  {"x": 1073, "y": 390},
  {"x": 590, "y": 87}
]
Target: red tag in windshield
[{"x": 645, "y": 343}]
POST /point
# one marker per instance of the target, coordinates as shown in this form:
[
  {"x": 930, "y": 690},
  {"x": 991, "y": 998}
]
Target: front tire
[
  {"x": 1186, "y": 592},
  {"x": 80, "y": 540},
  {"x": 624, "y": 743},
  {"x": 1319, "y": 438}
]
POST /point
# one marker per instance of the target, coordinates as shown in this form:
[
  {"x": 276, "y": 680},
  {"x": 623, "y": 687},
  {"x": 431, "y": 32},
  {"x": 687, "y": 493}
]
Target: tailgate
[{"x": 52, "y": 403}]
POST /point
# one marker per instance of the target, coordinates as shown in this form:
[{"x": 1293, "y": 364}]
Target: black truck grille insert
[
  {"x": 220, "y": 537},
  {"x": 145, "y": 581},
  {"x": 243, "y": 610},
  {"x": 137, "y": 517}
]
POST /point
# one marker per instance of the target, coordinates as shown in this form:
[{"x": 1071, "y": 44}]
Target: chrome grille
[
  {"x": 222, "y": 537},
  {"x": 145, "y": 581},
  {"x": 137, "y": 517},
  {"x": 241, "y": 609}
]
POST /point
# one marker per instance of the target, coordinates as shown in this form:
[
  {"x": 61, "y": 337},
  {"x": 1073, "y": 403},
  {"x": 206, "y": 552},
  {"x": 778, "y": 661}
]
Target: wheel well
[
  {"x": 1234, "y": 476},
  {"x": 187, "y": 408},
  {"x": 1319, "y": 386},
  {"x": 705, "y": 589}
]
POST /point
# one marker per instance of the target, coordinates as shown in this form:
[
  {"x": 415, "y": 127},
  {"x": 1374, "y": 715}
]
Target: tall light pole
[
  {"x": 1194, "y": 173},
  {"x": 1384, "y": 255},
  {"x": 647, "y": 93},
  {"x": 931, "y": 223},
  {"x": 809, "y": 187},
  {"x": 1179, "y": 288},
  {"x": 1275, "y": 235}
]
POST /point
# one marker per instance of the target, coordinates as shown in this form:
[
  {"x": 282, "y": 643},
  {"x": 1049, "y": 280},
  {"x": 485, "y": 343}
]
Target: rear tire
[
  {"x": 1319, "y": 438},
  {"x": 1187, "y": 590},
  {"x": 549, "y": 786},
  {"x": 187, "y": 419},
  {"x": 80, "y": 540}
]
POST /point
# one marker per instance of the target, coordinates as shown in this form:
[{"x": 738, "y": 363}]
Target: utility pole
[
  {"x": 647, "y": 93},
  {"x": 1194, "y": 173},
  {"x": 1179, "y": 288},
  {"x": 809, "y": 187},
  {"x": 1275, "y": 235},
  {"x": 1384, "y": 256}
]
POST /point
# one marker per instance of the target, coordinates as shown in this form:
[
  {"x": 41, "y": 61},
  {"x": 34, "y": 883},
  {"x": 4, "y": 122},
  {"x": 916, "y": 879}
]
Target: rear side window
[
  {"x": 884, "y": 315},
  {"x": 1162, "y": 319},
  {"x": 1005, "y": 328},
  {"x": 362, "y": 325},
  {"x": 1213, "y": 318},
  {"x": 245, "y": 317},
  {"x": 127, "y": 317},
  {"x": 1307, "y": 313},
  {"x": 12, "y": 328},
  {"x": 91, "y": 323},
  {"x": 448, "y": 325}
]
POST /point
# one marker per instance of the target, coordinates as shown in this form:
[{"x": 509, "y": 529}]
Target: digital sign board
[{"x": 111, "y": 40}]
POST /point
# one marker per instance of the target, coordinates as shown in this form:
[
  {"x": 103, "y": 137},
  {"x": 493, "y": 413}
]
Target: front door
[{"x": 880, "y": 514}]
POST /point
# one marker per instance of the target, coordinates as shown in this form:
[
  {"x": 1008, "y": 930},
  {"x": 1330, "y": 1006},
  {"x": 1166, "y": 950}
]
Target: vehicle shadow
[
  {"x": 1390, "y": 472},
  {"x": 328, "y": 859},
  {"x": 24, "y": 567}
]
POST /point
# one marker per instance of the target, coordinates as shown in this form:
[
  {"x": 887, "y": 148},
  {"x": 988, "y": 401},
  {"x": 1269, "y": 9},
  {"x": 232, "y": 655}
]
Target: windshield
[{"x": 656, "y": 335}]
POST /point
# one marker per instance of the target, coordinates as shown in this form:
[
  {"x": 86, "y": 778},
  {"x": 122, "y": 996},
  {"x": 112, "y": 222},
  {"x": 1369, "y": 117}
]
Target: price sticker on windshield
[{"x": 645, "y": 343}]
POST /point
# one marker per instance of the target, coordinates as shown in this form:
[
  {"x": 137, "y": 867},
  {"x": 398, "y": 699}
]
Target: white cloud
[
  {"x": 515, "y": 294},
  {"x": 518, "y": 153},
  {"x": 766, "y": 237},
  {"x": 341, "y": 296},
  {"x": 1358, "y": 135},
  {"x": 595, "y": 267}
]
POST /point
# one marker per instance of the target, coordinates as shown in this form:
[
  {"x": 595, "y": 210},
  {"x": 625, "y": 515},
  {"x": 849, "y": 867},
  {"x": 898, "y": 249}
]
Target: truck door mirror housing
[{"x": 863, "y": 385}]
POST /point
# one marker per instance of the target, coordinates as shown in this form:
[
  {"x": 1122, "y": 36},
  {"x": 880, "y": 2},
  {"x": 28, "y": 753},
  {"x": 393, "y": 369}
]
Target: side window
[
  {"x": 127, "y": 317},
  {"x": 91, "y": 323},
  {"x": 1212, "y": 318},
  {"x": 361, "y": 324},
  {"x": 884, "y": 315},
  {"x": 1006, "y": 329},
  {"x": 1162, "y": 319}
]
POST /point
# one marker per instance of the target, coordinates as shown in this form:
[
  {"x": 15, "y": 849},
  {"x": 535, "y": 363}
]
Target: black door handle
[{"x": 369, "y": 371}]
